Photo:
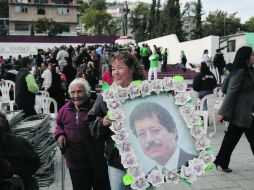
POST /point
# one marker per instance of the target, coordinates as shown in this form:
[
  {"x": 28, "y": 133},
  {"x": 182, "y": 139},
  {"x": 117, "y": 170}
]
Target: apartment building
[{"x": 23, "y": 12}]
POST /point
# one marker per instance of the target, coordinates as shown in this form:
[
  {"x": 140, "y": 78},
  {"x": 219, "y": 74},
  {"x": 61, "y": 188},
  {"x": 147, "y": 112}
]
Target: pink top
[{"x": 107, "y": 77}]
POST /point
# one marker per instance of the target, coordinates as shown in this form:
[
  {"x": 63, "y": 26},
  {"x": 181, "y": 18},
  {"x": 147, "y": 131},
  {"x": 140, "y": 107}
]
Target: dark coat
[
  {"x": 238, "y": 104},
  {"x": 99, "y": 131}
]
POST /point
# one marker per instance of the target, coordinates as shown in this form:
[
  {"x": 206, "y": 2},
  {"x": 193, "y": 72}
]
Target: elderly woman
[
  {"x": 84, "y": 154},
  {"x": 238, "y": 107},
  {"x": 125, "y": 69}
]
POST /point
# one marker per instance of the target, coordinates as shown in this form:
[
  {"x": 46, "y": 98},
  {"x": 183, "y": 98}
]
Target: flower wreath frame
[{"x": 115, "y": 96}]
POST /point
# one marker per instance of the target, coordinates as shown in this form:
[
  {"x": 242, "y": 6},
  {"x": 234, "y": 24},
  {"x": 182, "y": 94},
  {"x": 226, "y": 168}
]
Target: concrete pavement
[{"x": 242, "y": 177}]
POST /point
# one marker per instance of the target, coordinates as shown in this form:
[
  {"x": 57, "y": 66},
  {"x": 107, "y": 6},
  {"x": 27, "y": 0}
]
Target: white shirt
[
  {"x": 206, "y": 59},
  {"x": 47, "y": 76},
  {"x": 172, "y": 162}
]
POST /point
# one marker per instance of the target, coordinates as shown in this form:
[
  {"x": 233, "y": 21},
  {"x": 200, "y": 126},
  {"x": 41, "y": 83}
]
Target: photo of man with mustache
[{"x": 156, "y": 131}]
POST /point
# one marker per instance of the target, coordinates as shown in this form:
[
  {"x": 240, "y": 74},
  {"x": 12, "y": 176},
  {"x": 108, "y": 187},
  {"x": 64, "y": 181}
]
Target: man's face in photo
[{"x": 156, "y": 141}]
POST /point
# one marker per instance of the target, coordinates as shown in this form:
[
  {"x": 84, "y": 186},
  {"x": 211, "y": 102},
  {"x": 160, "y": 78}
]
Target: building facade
[{"x": 23, "y": 12}]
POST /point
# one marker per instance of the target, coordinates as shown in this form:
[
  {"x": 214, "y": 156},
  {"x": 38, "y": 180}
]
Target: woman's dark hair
[
  {"x": 4, "y": 125},
  {"x": 204, "y": 68},
  {"x": 132, "y": 63},
  {"x": 242, "y": 56}
]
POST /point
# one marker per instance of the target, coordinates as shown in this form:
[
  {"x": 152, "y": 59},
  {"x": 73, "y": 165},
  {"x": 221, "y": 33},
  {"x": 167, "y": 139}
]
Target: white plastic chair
[
  {"x": 44, "y": 104},
  {"x": 211, "y": 100},
  {"x": 5, "y": 89}
]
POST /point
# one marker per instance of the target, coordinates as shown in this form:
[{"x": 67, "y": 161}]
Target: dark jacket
[
  {"x": 95, "y": 117},
  {"x": 238, "y": 104},
  {"x": 22, "y": 94},
  {"x": 20, "y": 154},
  {"x": 204, "y": 83},
  {"x": 219, "y": 61},
  {"x": 82, "y": 150}
]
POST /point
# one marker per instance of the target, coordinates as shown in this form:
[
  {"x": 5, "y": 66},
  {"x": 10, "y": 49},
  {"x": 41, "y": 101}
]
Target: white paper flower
[
  {"x": 140, "y": 183},
  {"x": 182, "y": 98},
  {"x": 120, "y": 138},
  {"x": 202, "y": 143},
  {"x": 156, "y": 178},
  {"x": 198, "y": 165},
  {"x": 134, "y": 90},
  {"x": 123, "y": 94},
  {"x": 114, "y": 104},
  {"x": 157, "y": 86},
  {"x": 109, "y": 95},
  {"x": 128, "y": 160},
  {"x": 117, "y": 115},
  {"x": 188, "y": 173},
  {"x": 136, "y": 171},
  {"x": 207, "y": 157},
  {"x": 192, "y": 120},
  {"x": 197, "y": 131},
  {"x": 117, "y": 127},
  {"x": 172, "y": 177},
  {"x": 180, "y": 86},
  {"x": 186, "y": 109},
  {"x": 168, "y": 84},
  {"x": 145, "y": 89},
  {"x": 125, "y": 147}
]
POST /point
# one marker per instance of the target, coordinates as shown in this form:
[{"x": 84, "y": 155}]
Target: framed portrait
[{"x": 158, "y": 132}]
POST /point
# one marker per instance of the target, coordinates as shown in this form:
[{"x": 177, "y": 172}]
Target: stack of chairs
[{"x": 36, "y": 129}]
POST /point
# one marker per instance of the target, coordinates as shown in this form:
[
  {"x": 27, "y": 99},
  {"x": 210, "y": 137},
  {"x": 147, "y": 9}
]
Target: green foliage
[
  {"x": 98, "y": 4},
  {"x": 198, "y": 15},
  {"x": 189, "y": 9},
  {"x": 219, "y": 22},
  {"x": 151, "y": 20},
  {"x": 4, "y": 9},
  {"x": 32, "y": 29},
  {"x": 171, "y": 19},
  {"x": 138, "y": 22},
  {"x": 3, "y": 30},
  {"x": 41, "y": 25},
  {"x": 249, "y": 25},
  {"x": 48, "y": 26},
  {"x": 99, "y": 22}
]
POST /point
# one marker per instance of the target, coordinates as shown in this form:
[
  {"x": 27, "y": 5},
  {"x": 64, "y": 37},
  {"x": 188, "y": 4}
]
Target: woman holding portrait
[{"x": 125, "y": 69}]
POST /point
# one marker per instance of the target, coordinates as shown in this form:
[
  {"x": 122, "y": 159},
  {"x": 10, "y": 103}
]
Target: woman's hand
[
  {"x": 61, "y": 141},
  {"x": 106, "y": 121},
  {"x": 219, "y": 117}
]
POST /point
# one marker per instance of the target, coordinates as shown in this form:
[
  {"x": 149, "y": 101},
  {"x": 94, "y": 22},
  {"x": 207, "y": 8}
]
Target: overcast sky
[{"x": 245, "y": 8}]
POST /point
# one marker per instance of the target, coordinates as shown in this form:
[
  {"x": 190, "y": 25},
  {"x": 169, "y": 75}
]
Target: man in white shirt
[
  {"x": 156, "y": 131},
  {"x": 46, "y": 76}
]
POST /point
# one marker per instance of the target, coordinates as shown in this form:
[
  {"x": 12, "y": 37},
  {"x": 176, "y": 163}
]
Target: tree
[
  {"x": 198, "y": 15},
  {"x": 98, "y": 4},
  {"x": 32, "y": 29},
  {"x": 4, "y": 9},
  {"x": 99, "y": 22},
  {"x": 189, "y": 9},
  {"x": 156, "y": 30},
  {"x": 138, "y": 22},
  {"x": 171, "y": 19},
  {"x": 48, "y": 26},
  {"x": 151, "y": 21},
  {"x": 41, "y": 25},
  {"x": 249, "y": 25},
  {"x": 220, "y": 23}
]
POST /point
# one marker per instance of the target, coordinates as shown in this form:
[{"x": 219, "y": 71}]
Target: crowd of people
[{"x": 82, "y": 130}]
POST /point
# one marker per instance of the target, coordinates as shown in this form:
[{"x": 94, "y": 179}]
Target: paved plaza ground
[{"x": 242, "y": 177}]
